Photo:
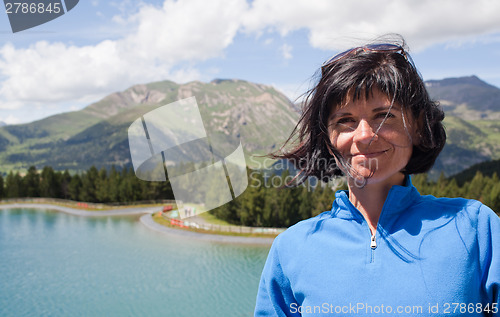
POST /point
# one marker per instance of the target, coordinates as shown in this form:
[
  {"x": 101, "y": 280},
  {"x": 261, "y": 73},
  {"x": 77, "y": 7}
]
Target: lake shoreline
[
  {"x": 129, "y": 211},
  {"x": 147, "y": 220}
]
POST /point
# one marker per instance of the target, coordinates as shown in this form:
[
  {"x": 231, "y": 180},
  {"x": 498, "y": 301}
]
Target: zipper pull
[{"x": 373, "y": 243}]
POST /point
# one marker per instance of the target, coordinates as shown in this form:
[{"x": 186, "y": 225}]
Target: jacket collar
[{"x": 400, "y": 197}]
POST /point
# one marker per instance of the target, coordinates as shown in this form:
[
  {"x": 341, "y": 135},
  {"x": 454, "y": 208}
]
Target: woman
[{"x": 383, "y": 249}]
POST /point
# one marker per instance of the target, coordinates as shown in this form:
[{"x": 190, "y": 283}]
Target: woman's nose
[{"x": 364, "y": 133}]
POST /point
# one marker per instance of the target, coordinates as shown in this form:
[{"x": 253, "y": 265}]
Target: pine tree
[
  {"x": 102, "y": 186},
  {"x": 421, "y": 182},
  {"x": 228, "y": 211},
  {"x": 452, "y": 189},
  {"x": 13, "y": 185},
  {"x": 287, "y": 202},
  {"x": 75, "y": 187},
  {"x": 259, "y": 203},
  {"x": 164, "y": 190},
  {"x": 494, "y": 199},
  {"x": 31, "y": 182},
  {"x": 2, "y": 189},
  {"x": 488, "y": 197},
  {"x": 65, "y": 179},
  {"x": 49, "y": 185},
  {"x": 440, "y": 190},
  {"x": 88, "y": 189},
  {"x": 306, "y": 206},
  {"x": 325, "y": 200},
  {"x": 476, "y": 186},
  {"x": 252, "y": 201},
  {"x": 270, "y": 215},
  {"x": 114, "y": 181},
  {"x": 130, "y": 187}
]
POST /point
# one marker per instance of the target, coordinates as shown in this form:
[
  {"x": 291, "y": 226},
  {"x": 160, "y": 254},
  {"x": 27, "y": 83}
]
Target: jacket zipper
[
  {"x": 373, "y": 246},
  {"x": 373, "y": 242}
]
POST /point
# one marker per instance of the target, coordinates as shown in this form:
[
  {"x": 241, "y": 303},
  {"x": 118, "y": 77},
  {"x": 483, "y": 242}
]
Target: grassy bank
[{"x": 158, "y": 218}]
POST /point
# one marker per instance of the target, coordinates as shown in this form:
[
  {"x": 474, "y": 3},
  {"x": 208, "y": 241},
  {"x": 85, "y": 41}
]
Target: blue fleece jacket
[{"x": 430, "y": 257}]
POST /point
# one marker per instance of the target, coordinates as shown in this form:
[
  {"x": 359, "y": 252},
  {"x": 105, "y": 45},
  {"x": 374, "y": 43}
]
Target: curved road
[
  {"x": 87, "y": 213},
  {"x": 148, "y": 221}
]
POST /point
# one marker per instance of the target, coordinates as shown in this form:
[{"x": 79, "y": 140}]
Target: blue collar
[{"x": 400, "y": 197}]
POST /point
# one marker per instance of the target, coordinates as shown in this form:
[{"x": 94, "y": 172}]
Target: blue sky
[{"x": 101, "y": 47}]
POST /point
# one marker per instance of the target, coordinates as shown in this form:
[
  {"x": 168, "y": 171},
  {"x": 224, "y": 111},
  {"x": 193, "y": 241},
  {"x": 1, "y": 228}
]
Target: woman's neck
[{"x": 370, "y": 199}]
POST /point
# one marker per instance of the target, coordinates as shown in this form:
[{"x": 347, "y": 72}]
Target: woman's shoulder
[
  {"x": 457, "y": 204},
  {"x": 448, "y": 202},
  {"x": 299, "y": 232},
  {"x": 472, "y": 210}
]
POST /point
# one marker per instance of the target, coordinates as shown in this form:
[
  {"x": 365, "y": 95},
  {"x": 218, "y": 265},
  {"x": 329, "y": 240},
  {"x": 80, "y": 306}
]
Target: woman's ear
[
  {"x": 418, "y": 126},
  {"x": 329, "y": 146},
  {"x": 414, "y": 127}
]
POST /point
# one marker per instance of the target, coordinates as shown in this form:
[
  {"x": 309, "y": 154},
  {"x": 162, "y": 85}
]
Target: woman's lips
[{"x": 369, "y": 155}]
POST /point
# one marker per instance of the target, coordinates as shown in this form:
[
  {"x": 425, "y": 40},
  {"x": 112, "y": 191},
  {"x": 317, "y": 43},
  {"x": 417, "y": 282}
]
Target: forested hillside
[
  {"x": 265, "y": 202},
  {"x": 94, "y": 186},
  {"x": 282, "y": 207}
]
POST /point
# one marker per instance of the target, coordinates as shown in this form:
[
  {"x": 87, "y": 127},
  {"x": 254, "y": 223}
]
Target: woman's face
[{"x": 375, "y": 157}]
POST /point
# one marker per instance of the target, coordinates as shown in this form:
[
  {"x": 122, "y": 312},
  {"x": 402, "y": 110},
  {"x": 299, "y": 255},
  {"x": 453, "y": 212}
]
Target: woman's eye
[
  {"x": 344, "y": 120},
  {"x": 383, "y": 114}
]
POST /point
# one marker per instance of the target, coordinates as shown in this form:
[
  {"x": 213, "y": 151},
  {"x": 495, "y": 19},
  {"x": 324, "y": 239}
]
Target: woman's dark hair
[{"x": 386, "y": 67}]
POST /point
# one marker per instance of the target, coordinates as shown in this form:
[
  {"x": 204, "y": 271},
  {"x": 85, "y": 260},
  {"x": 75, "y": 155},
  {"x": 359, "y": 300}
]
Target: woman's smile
[{"x": 370, "y": 154}]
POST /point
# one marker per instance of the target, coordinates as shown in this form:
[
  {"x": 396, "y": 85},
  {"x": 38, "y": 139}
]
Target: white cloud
[
  {"x": 294, "y": 92},
  {"x": 268, "y": 41},
  {"x": 334, "y": 24},
  {"x": 178, "y": 33},
  {"x": 10, "y": 119},
  {"x": 167, "y": 41},
  {"x": 286, "y": 50}
]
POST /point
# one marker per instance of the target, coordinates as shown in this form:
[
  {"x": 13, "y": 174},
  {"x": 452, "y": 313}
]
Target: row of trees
[
  {"x": 264, "y": 203},
  {"x": 96, "y": 186},
  {"x": 275, "y": 207},
  {"x": 483, "y": 188}
]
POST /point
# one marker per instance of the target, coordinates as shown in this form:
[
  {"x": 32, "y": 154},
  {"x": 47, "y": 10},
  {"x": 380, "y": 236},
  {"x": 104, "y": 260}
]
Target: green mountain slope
[
  {"x": 469, "y": 98},
  {"x": 233, "y": 110},
  {"x": 472, "y": 122},
  {"x": 468, "y": 143},
  {"x": 487, "y": 168}
]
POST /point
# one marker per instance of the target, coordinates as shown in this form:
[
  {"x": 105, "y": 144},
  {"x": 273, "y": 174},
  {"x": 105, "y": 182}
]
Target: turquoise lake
[{"x": 55, "y": 264}]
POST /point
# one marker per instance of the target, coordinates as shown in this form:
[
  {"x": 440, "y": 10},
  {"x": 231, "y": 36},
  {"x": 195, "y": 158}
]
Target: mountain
[
  {"x": 467, "y": 143},
  {"x": 468, "y": 98},
  {"x": 233, "y": 110},
  {"x": 487, "y": 168},
  {"x": 472, "y": 122}
]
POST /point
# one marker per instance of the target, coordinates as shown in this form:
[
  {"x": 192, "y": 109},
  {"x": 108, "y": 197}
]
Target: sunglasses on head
[{"x": 357, "y": 50}]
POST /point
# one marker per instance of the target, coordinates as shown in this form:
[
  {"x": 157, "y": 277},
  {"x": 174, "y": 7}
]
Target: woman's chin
[
  {"x": 363, "y": 177},
  {"x": 363, "y": 173},
  {"x": 360, "y": 177}
]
